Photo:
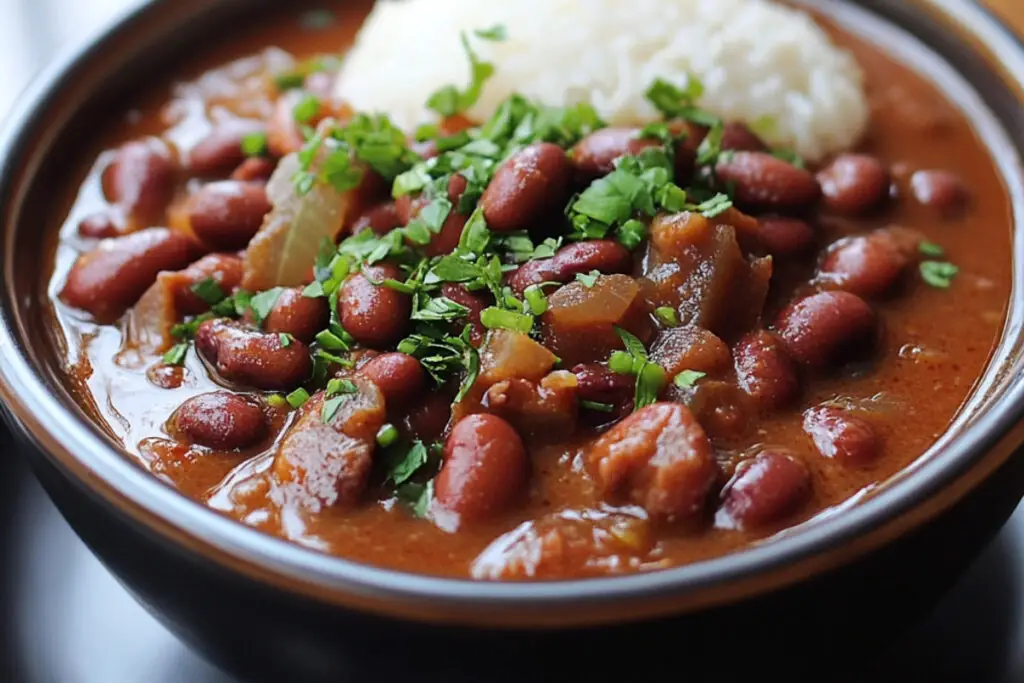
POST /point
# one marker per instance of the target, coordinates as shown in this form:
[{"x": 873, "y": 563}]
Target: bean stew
[{"x": 512, "y": 350}]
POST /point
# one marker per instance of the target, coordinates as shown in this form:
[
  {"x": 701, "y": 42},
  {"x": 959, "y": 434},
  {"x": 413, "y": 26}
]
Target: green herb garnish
[
  {"x": 938, "y": 274},
  {"x": 688, "y": 378}
]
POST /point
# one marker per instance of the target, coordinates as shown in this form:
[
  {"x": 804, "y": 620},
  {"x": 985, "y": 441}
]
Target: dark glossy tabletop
[{"x": 67, "y": 620}]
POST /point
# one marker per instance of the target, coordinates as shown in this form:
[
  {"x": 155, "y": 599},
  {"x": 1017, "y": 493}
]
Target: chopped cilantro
[
  {"x": 417, "y": 497},
  {"x": 208, "y": 290},
  {"x": 931, "y": 249},
  {"x": 442, "y": 356},
  {"x": 176, "y": 354},
  {"x": 306, "y": 109},
  {"x": 688, "y": 378},
  {"x": 588, "y": 279},
  {"x": 535, "y": 299},
  {"x": 449, "y": 100},
  {"x": 411, "y": 461},
  {"x": 340, "y": 386},
  {"x": 650, "y": 377},
  {"x": 285, "y": 339},
  {"x": 330, "y": 408},
  {"x": 297, "y": 398},
  {"x": 498, "y": 32},
  {"x": 263, "y": 303},
  {"x": 254, "y": 144},
  {"x": 679, "y": 103}
]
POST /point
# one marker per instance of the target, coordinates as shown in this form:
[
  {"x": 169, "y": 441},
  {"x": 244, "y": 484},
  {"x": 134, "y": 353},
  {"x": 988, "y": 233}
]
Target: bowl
[{"x": 269, "y": 610}]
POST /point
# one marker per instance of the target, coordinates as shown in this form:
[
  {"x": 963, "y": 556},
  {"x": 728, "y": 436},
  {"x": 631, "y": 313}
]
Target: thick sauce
[{"x": 934, "y": 342}]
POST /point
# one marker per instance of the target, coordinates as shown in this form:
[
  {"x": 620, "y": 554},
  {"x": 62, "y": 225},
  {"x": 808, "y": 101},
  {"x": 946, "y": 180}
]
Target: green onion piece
[
  {"x": 688, "y": 378},
  {"x": 650, "y": 380},
  {"x": 621, "y": 362},
  {"x": 387, "y": 435},
  {"x": 331, "y": 341},
  {"x": 277, "y": 401},
  {"x": 176, "y": 354},
  {"x": 631, "y": 234},
  {"x": 297, "y": 398},
  {"x": 931, "y": 249},
  {"x": 285, "y": 339},
  {"x": 595, "y": 405},
  {"x": 306, "y": 109},
  {"x": 536, "y": 299},
  {"x": 938, "y": 274},
  {"x": 667, "y": 315},
  {"x": 500, "y": 318},
  {"x": 254, "y": 144}
]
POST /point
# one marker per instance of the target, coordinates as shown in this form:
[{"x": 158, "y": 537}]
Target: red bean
[
  {"x": 940, "y": 190},
  {"x": 659, "y": 458},
  {"x": 766, "y": 488},
  {"x": 763, "y": 181},
  {"x": 254, "y": 169},
  {"x": 686, "y": 150},
  {"x": 376, "y": 316},
  {"x": 399, "y": 376},
  {"x": 221, "y": 149},
  {"x": 253, "y": 358},
  {"x": 428, "y": 418},
  {"x": 224, "y": 269},
  {"x": 838, "y": 434},
  {"x": 140, "y": 178},
  {"x": 445, "y": 241},
  {"x": 597, "y": 383},
  {"x": 765, "y": 371},
  {"x": 225, "y": 215},
  {"x": 605, "y": 256},
  {"x": 866, "y": 265},
  {"x": 822, "y": 327},
  {"x": 98, "y": 225},
  {"x": 476, "y": 302},
  {"x": 220, "y": 420},
  {"x": 782, "y": 236},
  {"x": 112, "y": 277},
  {"x": 738, "y": 138},
  {"x": 381, "y": 218},
  {"x": 300, "y": 316},
  {"x": 595, "y": 155},
  {"x": 524, "y": 189},
  {"x": 485, "y": 468},
  {"x": 853, "y": 184}
]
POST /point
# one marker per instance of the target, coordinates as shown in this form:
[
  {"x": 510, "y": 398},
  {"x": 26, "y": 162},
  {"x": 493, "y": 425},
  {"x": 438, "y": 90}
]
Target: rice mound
[{"x": 759, "y": 62}]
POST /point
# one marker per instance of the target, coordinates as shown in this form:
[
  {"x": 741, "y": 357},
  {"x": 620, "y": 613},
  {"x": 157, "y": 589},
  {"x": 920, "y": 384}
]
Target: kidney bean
[
  {"x": 820, "y": 328},
  {"x": 595, "y": 382},
  {"x": 140, "y": 178},
  {"x": 98, "y": 225},
  {"x": 738, "y": 138},
  {"x": 782, "y": 236},
  {"x": 766, "y": 489},
  {"x": 690, "y": 348},
  {"x": 254, "y": 169},
  {"x": 866, "y": 265},
  {"x": 659, "y": 458},
  {"x": 765, "y": 371},
  {"x": 853, "y": 184},
  {"x": 485, "y": 468},
  {"x": 940, "y": 190},
  {"x": 253, "y": 358},
  {"x": 221, "y": 149},
  {"x": 300, "y": 316},
  {"x": 476, "y": 302},
  {"x": 224, "y": 269},
  {"x": 838, "y": 434},
  {"x": 605, "y": 256},
  {"x": 765, "y": 182},
  {"x": 112, "y": 277},
  {"x": 219, "y": 420},
  {"x": 721, "y": 408},
  {"x": 428, "y": 418},
  {"x": 399, "y": 376},
  {"x": 526, "y": 187},
  {"x": 445, "y": 241},
  {"x": 595, "y": 155},
  {"x": 686, "y": 150},
  {"x": 381, "y": 218},
  {"x": 376, "y": 316},
  {"x": 226, "y": 214}
]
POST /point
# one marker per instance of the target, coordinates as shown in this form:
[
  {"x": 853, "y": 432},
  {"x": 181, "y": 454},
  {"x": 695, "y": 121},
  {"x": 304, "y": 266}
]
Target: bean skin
[
  {"x": 224, "y": 269},
  {"x": 595, "y": 382},
  {"x": 943, "y": 191},
  {"x": 253, "y": 358},
  {"x": 140, "y": 178},
  {"x": 738, "y": 138},
  {"x": 782, "y": 236},
  {"x": 853, "y": 184},
  {"x": 866, "y": 265},
  {"x": 840, "y": 435},
  {"x": 399, "y": 376},
  {"x": 112, "y": 277},
  {"x": 375, "y": 316},
  {"x": 659, "y": 458},
  {"x": 221, "y": 149},
  {"x": 381, "y": 218},
  {"x": 225, "y": 215},
  {"x": 300, "y": 316},
  {"x": 98, "y": 226},
  {"x": 765, "y": 371},
  {"x": 445, "y": 241},
  {"x": 254, "y": 169},
  {"x": 762, "y": 181},
  {"x": 820, "y": 328},
  {"x": 533, "y": 182},
  {"x": 220, "y": 420},
  {"x": 766, "y": 488},
  {"x": 595, "y": 155},
  {"x": 485, "y": 468},
  {"x": 605, "y": 256},
  {"x": 428, "y": 418},
  {"x": 476, "y": 302}
]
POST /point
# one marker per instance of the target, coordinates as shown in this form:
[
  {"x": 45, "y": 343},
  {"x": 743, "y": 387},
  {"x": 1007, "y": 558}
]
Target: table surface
[{"x": 64, "y": 618}]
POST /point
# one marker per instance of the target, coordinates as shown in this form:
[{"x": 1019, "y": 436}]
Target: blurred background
[{"x": 64, "y": 619}]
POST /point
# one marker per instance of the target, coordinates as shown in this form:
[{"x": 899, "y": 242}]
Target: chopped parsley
[
  {"x": 688, "y": 378},
  {"x": 306, "y": 109},
  {"x": 588, "y": 279},
  {"x": 938, "y": 274},
  {"x": 449, "y": 100},
  {"x": 209, "y": 290},
  {"x": 417, "y": 497},
  {"x": 650, "y": 377},
  {"x": 680, "y": 103},
  {"x": 263, "y": 303},
  {"x": 931, "y": 249},
  {"x": 285, "y": 339},
  {"x": 409, "y": 463},
  {"x": 444, "y": 355},
  {"x": 176, "y": 354}
]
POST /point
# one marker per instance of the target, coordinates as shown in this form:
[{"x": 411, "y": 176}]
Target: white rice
[{"x": 758, "y": 60}]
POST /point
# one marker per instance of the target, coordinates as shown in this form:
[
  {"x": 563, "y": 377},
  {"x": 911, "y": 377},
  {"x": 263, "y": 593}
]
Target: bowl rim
[{"x": 83, "y": 455}]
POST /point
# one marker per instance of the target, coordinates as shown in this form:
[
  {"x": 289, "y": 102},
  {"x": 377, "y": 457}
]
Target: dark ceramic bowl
[{"x": 273, "y": 611}]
